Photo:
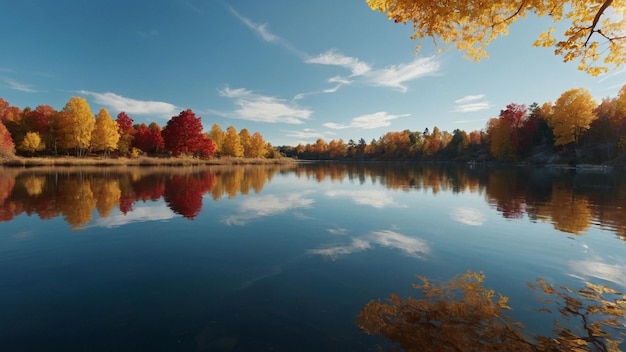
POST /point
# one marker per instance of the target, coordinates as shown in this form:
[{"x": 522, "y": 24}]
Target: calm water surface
[{"x": 272, "y": 258}]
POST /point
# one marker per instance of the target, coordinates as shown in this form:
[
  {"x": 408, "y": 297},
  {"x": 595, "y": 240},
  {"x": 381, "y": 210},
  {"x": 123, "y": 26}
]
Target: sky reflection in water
[{"x": 282, "y": 258}]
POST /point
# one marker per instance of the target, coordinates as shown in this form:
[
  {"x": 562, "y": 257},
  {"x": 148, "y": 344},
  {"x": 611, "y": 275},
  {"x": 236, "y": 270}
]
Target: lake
[{"x": 283, "y": 257}]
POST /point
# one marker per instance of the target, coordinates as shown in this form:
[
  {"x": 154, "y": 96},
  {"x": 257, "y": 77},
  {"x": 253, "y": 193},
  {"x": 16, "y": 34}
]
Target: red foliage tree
[
  {"x": 183, "y": 134},
  {"x": 38, "y": 120},
  {"x": 7, "y": 148},
  {"x": 143, "y": 139},
  {"x": 514, "y": 116},
  {"x": 157, "y": 138},
  {"x": 125, "y": 122},
  {"x": 207, "y": 147}
]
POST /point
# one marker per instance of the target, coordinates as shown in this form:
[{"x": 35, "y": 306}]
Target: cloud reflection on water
[
  {"x": 411, "y": 246},
  {"x": 139, "y": 214},
  {"x": 468, "y": 216},
  {"x": 614, "y": 273},
  {"x": 371, "y": 197},
  {"x": 270, "y": 205}
]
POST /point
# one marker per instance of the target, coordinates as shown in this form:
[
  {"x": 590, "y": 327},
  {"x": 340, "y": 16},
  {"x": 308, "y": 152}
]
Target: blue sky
[{"x": 294, "y": 71}]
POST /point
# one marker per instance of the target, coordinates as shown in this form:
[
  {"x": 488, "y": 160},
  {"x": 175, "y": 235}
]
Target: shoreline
[{"x": 69, "y": 161}]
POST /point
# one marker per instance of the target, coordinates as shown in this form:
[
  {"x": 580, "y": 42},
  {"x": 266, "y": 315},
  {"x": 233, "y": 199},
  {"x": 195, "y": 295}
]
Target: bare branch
[{"x": 596, "y": 19}]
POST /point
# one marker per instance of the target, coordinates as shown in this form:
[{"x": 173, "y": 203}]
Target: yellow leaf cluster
[
  {"x": 463, "y": 315},
  {"x": 596, "y": 32},
  {"x": 105, "y": 135}
]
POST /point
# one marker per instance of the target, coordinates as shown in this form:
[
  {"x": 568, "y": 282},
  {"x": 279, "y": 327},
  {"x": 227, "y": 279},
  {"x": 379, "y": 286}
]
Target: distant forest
[{"x": 574, "y": 129}]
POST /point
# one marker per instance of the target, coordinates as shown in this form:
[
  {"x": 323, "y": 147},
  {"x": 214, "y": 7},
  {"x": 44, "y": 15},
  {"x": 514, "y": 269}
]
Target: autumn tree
[
  {"x": 127, "y": 132},
  {"x": 337, "y": 149},
  {"x": 157, "y": 138},
  {"x": 7, "y": 148},
  {"x": 41, "y": 120},
  {"x": 106, "y": 134},
  {"x": 458, "y": 146},
  {"x": 217, "y": 135},
  {"x": 245, "y": 139},
  {"x": 595, "y": 32},
  {"x": 143, "y": 139},
  {"x": 257, "y": 146},
  {"x": 183, "y": 134},
  {"x": 76, "y": 123},
  {"x": 500, "y": 146},
  {"x": 31, "y": 143},
  {"x": 571, "y": 116},
  {"x": 206, "y": 148},
  {"x": 148, "y": 138},
  {"x": 232, "y": 143}
]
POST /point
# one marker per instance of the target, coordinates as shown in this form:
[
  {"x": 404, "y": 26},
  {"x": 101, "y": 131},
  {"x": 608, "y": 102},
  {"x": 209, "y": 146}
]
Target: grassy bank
[{"x": 141, "y": 161}]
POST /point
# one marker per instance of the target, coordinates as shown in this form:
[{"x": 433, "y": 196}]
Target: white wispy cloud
[
  {"x": 411, "y": 246},
  {"x": 265, "y": 34},
  {"x": 337, "y": 231},
  {"x": 334, "y": 58},
  {"x": 307, "y": 133},
  {"x": 132, "y": 106},
  {"x": 466, "y": 99},
  {"x": 367, "y": 122},
  {"x": 262, "y": 206},
  {"x": 393, "y": 76},
  {"x": 256, "y": 107},
  {"x": 372, "y": 198},
  {"x": 396, "y": 76},
  {"x": 468, "y": 216},
  {"x": 471, "y": 103},
  {"x": 15, "y": 85}
]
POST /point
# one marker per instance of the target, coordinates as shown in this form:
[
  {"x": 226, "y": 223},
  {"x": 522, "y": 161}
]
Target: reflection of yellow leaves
[
  {"x": 462, "y": 315},
  {"x": 107, "y": 193},
  {"x": 34, "y": 185}
]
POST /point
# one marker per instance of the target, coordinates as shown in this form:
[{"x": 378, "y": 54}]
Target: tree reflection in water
[
  {"x": 74, "y": 194},
  {"x": 572, "y": 202},
  {"x": 463, "y": 315}
]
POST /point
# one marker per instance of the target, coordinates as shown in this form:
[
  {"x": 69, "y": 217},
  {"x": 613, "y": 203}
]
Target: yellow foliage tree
[
  {"x": 572, "y": 115},
  {"x": 31, "y": 143},
  {"x": 499, "y": 134},
  {"x": 596, "y": 30},
  {"x": 245, "y": 139},
  {"x": 76, "y": 122},
  {"x": 257, "y": 146},
  {"x": 217, "y": 136},
  {"x": 106, "y": 134},
  {"x": 232, "y": 143}
]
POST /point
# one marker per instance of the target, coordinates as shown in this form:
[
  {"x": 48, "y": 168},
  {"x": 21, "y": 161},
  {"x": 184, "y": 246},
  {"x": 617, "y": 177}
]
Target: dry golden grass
[{"x": 141, "y": 161}]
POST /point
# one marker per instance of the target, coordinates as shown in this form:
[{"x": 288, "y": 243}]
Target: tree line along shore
[{"x": 573, "y": 130}]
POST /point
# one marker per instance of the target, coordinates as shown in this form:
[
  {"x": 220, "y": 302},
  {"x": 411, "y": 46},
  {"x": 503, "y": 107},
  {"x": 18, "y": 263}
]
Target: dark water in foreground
[{"x": 272, "y": 258}]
